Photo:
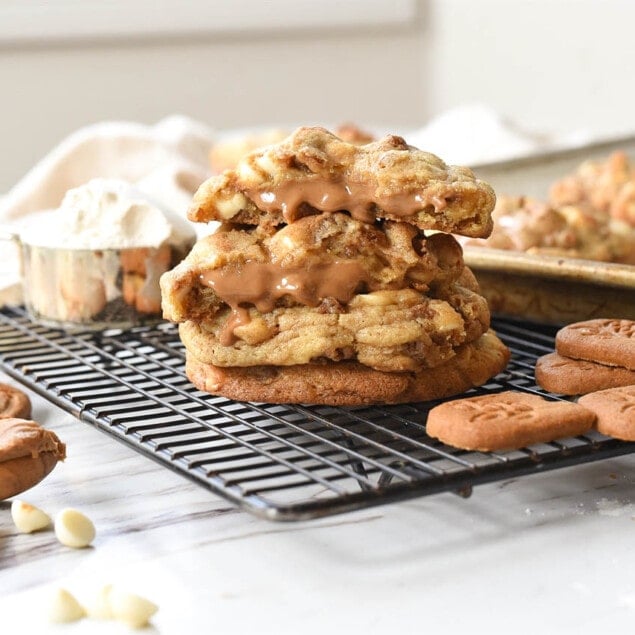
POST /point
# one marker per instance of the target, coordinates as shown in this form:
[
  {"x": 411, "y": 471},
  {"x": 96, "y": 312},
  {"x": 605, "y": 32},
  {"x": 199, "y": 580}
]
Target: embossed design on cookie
[
  {"x": 605, "y": 328},
  {"x": 506, "y": 420},
  {"x": 626, "y": 400},
  {"x": 577, "y": 364},
  {"x": 509, "y": 410},
  {"x": 615, "y": 411},
  {"x": 608, "y": 341}
]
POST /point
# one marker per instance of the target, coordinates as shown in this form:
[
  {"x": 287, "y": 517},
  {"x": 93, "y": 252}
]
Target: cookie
[
  {"x": 574, "y": 231},
  {"x": 372, "y": 257},
  {"x": 387, "y": 330},
  {"x": 606, "y": 341},
  {"x": 567, "y": 376},
  {"x": 350, "y": 383},
  {"x": 607, "y": 185},
  {"x": 615, "y": 411},
  {"x": 506, "y": 421},
  {"x": 14, "y": 403},
  {"x": 313, "y": 171},
  {"x": 28, "y": 453}
]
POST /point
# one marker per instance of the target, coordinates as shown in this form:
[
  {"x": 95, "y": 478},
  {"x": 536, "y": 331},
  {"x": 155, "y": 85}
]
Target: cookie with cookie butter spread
[
  {"x": 322, "y": 283},
  {"x": 314, "y": 172}
]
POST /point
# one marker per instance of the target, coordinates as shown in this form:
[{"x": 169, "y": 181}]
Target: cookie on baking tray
[
  {"x": 13, "y": 402},
  {"x": 615, "y": 411},
  {"x": 603, "y": 340},
  {"x": 505, "y": 421},
  {"x": 607, "y": 185},
  {"x": 567, "y": 376}
]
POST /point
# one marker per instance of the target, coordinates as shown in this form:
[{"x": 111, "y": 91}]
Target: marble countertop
[{"x": 552, "y": 552}]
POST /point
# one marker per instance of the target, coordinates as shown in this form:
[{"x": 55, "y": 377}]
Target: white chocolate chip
[
  {"x": 247, "y": 173},
  {"x": 73, "y": 529},
  {"x": 28, "y": 518},
  {"x": 230, "y": 207},
  {"x": 265, "y": 163},
  {"x": 64, "y": 608},
  {"x": 130, "y": 608}
]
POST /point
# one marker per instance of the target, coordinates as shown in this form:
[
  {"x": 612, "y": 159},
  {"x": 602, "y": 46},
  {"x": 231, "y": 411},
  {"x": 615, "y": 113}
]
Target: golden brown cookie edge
[
  {"x": 351, "y": 383},
  {"x": 20, "y": 408},
  {"x": 449, "y": 426}
]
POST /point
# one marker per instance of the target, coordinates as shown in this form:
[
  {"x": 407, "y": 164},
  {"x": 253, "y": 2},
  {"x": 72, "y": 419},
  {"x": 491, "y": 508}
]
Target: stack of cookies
[
  {"x": 596, "y": 359},
  {"x": 333, "y": 277},
  {"x": 591, "y": 355}
]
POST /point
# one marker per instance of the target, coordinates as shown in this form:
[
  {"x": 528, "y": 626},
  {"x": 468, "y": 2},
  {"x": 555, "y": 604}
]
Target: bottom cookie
[
  {"x": 567, "y": 376},
  {"x": 351, "y": 383}
]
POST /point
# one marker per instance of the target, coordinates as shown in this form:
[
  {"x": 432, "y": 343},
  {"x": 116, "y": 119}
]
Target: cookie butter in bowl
[{"x": 96, "y": 261}]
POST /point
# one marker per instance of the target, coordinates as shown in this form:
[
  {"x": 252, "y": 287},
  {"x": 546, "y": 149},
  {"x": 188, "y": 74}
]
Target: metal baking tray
[
  {"x": 551, "y": 288},
  {"x": 280, "y": 462}
]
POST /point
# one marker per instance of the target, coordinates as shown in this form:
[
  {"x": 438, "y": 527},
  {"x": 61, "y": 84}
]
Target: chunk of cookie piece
[
  {"x": 28, "y": 453},
  {"x": 505, "y": 421},
  {"x": 567, "y": 376},
  {"x": 351, "y": 383},
  {"x": 254, "y": 264},
  {"x": 604, "y": 340},
  {"x": 313, "y": 172},
  {"x": 14, "y": 403},
  {"x": 386, "y": 330},
  {"x": 615, "y": 411}
]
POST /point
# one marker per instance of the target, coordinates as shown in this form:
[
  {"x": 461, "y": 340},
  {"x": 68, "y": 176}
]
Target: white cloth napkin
[{"x": 168, "y": 161}]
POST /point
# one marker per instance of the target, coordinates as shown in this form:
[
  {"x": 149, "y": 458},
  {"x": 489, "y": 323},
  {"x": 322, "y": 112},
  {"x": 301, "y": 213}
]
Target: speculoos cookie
[
  {"x": 603, "y": 340},
  {"x": 615, "y": 411},
  {"x": 567, "y": 376},
  {"x": 505, "y": 421}
]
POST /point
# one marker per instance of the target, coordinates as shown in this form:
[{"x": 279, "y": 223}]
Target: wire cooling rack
[{"x": 281, "y": 462}]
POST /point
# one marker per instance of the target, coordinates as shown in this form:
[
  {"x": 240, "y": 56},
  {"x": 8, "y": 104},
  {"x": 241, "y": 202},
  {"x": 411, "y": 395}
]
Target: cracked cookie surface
[
  {"x": 376, "y": 257},
  {"x": 313, "y": 171}
]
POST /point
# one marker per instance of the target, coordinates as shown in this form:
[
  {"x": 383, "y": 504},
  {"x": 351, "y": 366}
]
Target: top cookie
[
  {"x": 606, "y": 341},
  {"x": 313, "y": 172},
  {"x": 226, "y": 154}
]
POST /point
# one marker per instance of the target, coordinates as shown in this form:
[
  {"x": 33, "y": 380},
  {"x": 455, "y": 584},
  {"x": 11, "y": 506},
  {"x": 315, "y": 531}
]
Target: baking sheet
[
  {"x": 532, "y": 175},
  {"x": 551, "y": 288}
]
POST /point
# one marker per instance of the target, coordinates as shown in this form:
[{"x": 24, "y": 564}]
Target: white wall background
[{"x": 551, "y": 65}]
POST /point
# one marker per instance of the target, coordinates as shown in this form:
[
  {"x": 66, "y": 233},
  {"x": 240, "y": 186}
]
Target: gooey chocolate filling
[
  {"x": 341, "y": 194},
  {"x": 262, "y": 284}
]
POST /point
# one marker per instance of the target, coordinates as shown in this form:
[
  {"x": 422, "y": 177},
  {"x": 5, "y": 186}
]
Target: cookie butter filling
[
  {"x": 263, "y": 284},
  {"x": 24, "y": 438},
  {"x": 341, "y": 194}
]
